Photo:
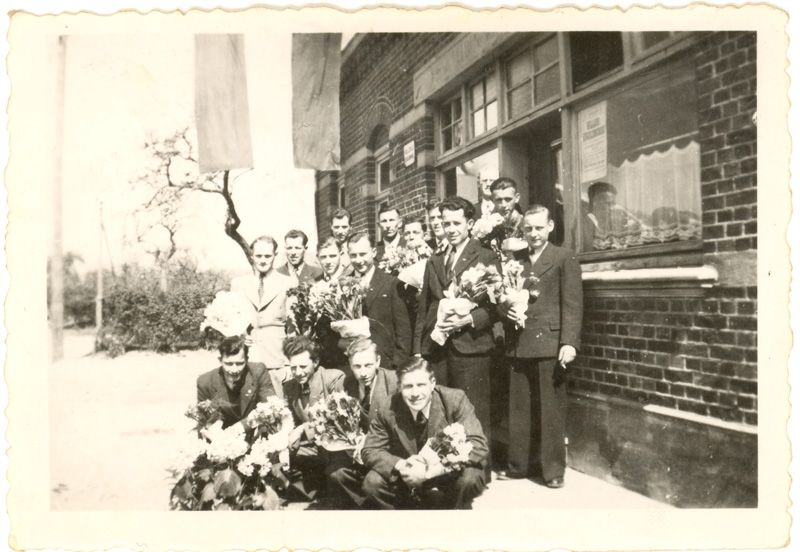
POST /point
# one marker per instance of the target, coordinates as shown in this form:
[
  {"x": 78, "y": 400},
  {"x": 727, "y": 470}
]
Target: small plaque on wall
[{"x": 409, "y": 154}]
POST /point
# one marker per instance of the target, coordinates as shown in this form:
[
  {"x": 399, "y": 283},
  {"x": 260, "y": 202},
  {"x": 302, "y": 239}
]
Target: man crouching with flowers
[
  {"x": 237, "y": 386},
  {"x": 422, "y": 412}
]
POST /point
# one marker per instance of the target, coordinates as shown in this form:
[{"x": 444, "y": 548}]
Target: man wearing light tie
[
  {"x": 391, "y": 222},
  {"x": 266, "y": 290},
  {"x": 540, "y": 345},
  {"x": 296, "y": 243}
]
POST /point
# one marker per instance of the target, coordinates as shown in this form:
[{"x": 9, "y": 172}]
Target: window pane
[
  {"x": 491, "y": 87},
  {"x": 478, "y": 125},
  {"x": 547, "y": 84},
  {"x": 456, "y": 110},
  {"x": 446, "y": 116},
  {"x": 545, "y": 53},
  {"x": 594, "y": 53},
  {"x": 518, "y": 69},
  {"x": 384, "y": 176},
  {"x": 640, "y": 170},
  {"x": 477, "y": 95},
  {"x": 491, "y": 115},
  {"x": 447, "y": 139},
  {"x": 519, "y": 101},
  {"x": 653, "y": 38},
  {"x": 457, "y": 134}
]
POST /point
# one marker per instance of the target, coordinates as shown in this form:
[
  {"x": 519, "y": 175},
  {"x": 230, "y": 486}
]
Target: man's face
[
  {"x": 536, "y": 229},
  {"x": 504, "y": 200},
  {"x": 263, "y": 257},
  {"x": 486, "y": 187},
  {"x": 295, "y": 251},
  {"x": 416, "y": 388},
  {"x": 364, "y": 365},
  {"x": 303, "y": 367},
  {"x": 233, "y": 366},
  {"x": 456, "y": 226},
  {"x": 603, "y": 201},
  {"x": 435, "y": 218},
  {"x": 414, "y": 234},
  {"x": 361, "y": 255},
  {"x": 329, "y": 259},
  {"x": 390, "y": 224},
  {"x": 340, "y": 228}
]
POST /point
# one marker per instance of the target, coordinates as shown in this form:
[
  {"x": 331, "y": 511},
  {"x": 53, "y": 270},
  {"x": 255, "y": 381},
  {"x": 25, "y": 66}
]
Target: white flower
[
  {"x": 185, "y": 458},
  {"x": 225, "y": 444},
  {"x": 246, "y": 466},
  {"x": 230, "y": 313}
]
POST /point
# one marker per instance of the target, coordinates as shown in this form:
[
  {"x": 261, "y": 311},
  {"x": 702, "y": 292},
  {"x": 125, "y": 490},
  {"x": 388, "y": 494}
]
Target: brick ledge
[{"x": 704, "y": 275}]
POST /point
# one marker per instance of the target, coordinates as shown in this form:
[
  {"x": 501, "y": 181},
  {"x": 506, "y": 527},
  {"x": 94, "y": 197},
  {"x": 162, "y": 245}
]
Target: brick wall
[{"x": 696, "y": 354}]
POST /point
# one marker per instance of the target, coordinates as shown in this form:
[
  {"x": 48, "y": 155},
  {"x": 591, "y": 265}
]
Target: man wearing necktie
[
  {"x": 372, "y": 386},
  {"x": 438, "y": 241},
  {"x": 540, "y": 352},
  {"x": 402, "y": 426},
  {"x": 266, "y": 290},
  {"x": 295, "y": 244},
  {"x": 465, "y": 360}
]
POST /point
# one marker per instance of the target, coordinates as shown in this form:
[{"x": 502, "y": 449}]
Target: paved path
[{"x": 116, "y": 423}]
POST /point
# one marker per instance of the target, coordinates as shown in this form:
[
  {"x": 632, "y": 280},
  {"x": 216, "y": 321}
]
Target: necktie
[
  {"x": 449, "y": 265},
  {"x": 420, "y": 428},
  {"x": 260, "y": 288},
  {"x": 365, "y": 400},
  {"x": 304, "y": 390}
]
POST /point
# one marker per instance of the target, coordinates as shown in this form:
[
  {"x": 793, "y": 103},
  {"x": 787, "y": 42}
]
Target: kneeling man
[{"x": 401, "y": 428}]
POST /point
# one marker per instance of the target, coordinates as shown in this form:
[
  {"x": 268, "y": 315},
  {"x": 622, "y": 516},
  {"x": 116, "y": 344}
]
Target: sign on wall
[
  {"x": 408, "y": 153},
  {"x": 593, "y": 142}
]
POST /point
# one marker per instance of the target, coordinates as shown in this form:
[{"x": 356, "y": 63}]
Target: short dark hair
[
  {"x": 433, "y": 203},
  {"x": 502, "y": 183},
  {"x": 360, "y": 235},
  {"x": 386, "y": 208},
  {"x": 411, "y": 219},
  {"x": 230, "y": 346},
  {"x": 267, "y": 239},
  {"x": 294, "y": 234},
  {"x": 330, "y": 241},
  {"x": 458, "y": 203},
  {"x": 599, "y": 187},
  {"x": 342, "y": 213},
  {"x": 412, "y": 364},
  {"x": 299, "y": 344},
  {"x": 536, "y": 209}
]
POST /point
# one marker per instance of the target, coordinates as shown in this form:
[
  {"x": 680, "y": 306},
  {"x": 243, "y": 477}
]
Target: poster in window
[{"x": 594, "y": 142}]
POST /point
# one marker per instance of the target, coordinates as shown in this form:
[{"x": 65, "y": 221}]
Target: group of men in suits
[{"x": 451, "y": 381}]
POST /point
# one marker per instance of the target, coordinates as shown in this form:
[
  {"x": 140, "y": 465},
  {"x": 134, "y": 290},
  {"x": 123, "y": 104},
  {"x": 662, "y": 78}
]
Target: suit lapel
[
  {"x": 438, "y": 268},
  {"x": 271, "y": 290},
  {"x": 375, "y": 285},
  {"x": 247, "y": 394},
  {"x": 405, "y": 426},
  {"x": 545, "y": 261},
  {"x": 471, "y": 251},
  {"x": 251, "y": 290},
  {"x": 437, "y": 419}
]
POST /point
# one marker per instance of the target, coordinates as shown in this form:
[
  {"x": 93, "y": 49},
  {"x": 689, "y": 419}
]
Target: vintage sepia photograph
[{"x": 315, "y": 264}]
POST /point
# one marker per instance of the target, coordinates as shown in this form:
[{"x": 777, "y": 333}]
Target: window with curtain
[
  {"x": 640, "y": 165},
  {"x": 451, "y": 124}
]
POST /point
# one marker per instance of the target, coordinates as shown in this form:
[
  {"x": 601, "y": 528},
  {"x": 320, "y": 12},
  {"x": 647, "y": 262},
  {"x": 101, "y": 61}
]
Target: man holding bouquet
[
  {"x": 464, "y": 360},
  {"x": 400, "y": 474},
  {"x": 541, "y": 341}
]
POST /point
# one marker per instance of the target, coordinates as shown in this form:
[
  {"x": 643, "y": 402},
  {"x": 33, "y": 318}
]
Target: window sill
[{"x": 691, "y": 281}]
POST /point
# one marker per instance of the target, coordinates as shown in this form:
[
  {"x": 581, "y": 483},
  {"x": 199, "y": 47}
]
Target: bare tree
[{"x": 174, "y": 173}]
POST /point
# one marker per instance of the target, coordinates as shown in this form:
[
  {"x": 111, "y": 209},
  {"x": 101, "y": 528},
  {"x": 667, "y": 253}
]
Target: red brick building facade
[{"x": 663, "y": 393}]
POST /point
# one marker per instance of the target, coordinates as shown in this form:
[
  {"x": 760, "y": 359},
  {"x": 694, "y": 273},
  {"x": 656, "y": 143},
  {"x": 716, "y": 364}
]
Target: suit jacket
[
  {"x": 554, "y": 318},
  {"x": 391, "y": 434},
  {"x": 389, "y": 325},
  {"x": 476, "y": 339},
  {"x": 322, "y": 383},
  {"x": 269, "y": 314},
  {"x": 257, "y": 387},
  {"x": 384, "y": 386},
  {"x": 308, "y": 274},
  {"x": 380, "y": 250}
]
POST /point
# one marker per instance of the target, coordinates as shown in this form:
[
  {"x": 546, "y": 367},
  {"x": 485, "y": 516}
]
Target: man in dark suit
[
  {"x": 468, "y": 351},
  {"x": 372, "y": 386},
  {"x": 296, "y": 243},
  {"x": 401, "y": 428},
  {"x": 391, "y": 222},
  {"x": 438, "y": 241},
  {"x": 329, "y": 255},
  {"x": 389, "y": 325},
  {"x": 239, "y": 384},
  {"x": 541, "y": 351},
  {"x": 310, "y": 383}
]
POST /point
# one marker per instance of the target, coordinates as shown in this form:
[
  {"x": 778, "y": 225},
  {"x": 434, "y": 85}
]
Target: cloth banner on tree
[
  {"x": 220, "y": 100},
  {"x": 316, "y": 61}
]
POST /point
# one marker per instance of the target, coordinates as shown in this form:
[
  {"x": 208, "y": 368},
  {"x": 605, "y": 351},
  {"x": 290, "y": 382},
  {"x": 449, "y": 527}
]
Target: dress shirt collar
[
  {"x": 536, "y": 254},
  {"x": 426, "y": 411},
  {"x": 394, "y": 243},
  {"x": 367, "y": 278},
  {"x": 458, "y": 251}
]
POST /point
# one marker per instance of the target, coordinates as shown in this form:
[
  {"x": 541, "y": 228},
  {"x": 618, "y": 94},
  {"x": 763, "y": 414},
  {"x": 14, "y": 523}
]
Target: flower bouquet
[
  {"x": 335, "y": 420},
  {"x": 503, "y": 234},
  {"x": 230, "y": 313},
  {"x": 460, "y": 299},
  {"x": 341, "y": 300},
  {"x": 300, "y": 319},
  {"x": 447, "y": 451},
  {"x": 222, "y": 470},
  {"x": 207, "y": 412},
  {"x": 516, "y": 290},
  {"x": 410, "y": 266}
]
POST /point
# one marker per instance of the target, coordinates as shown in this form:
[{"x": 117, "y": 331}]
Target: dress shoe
[
  {"x": 556, "y": 483},
  {"x": 504, "y": 475}
]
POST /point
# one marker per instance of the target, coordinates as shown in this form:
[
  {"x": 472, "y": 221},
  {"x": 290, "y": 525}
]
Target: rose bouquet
[
  {"x": 342, "y": 301},
  {"x": 300, "y": 319},
  {"x": 517, "y": 290},
  {"x": 230, "y": 313},
  {"x": 447, "y": 451},
  {"x": 475, "y": 284},
  {"x": 335, "y": 420}
]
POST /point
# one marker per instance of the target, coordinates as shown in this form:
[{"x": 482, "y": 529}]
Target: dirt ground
[{"x": 115, "y": 424}]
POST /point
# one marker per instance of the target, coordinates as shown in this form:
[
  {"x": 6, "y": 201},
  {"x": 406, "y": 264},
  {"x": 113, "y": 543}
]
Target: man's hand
[
  {"x": 566, "y": 354},
  {"x": 413, "y": 473},
  {"x": 295, "y": 435},
  {"x": 507, "y": 310},
  {"x": 455, "y": 322}
]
